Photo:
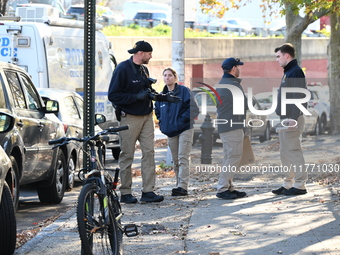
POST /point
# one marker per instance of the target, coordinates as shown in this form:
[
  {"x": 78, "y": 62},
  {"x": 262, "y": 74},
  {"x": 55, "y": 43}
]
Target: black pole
[{"x": 89, "y": 71}]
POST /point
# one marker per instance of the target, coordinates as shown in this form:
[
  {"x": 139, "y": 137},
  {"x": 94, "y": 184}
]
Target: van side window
[
  {"x": 17, "y": 93},
  {"x": 33, "y": 100}
]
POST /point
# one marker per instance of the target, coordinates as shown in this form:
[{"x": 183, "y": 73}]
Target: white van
[{"x": 52, "y": 53}]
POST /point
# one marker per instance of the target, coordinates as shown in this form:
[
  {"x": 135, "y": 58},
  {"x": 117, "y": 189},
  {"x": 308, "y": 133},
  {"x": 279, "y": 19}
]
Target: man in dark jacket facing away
[
  {"x": 128, "y": 91},
  {"x": 290, "y": 145},
  {"x": 232, "y": 131}
]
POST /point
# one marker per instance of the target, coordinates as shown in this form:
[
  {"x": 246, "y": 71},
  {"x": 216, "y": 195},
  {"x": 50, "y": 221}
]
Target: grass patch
[
  {"x": 135, "y": 30},
  {"x": 158, "y": 31}
]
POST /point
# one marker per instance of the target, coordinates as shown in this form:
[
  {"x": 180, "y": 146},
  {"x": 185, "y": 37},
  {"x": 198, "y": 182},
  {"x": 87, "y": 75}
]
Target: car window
[
  {"x": 199, "y": 99},
  {"x": 78, "y": 10},
  {"x": 33, "y": 98},
  {"x": 256, "y": 104},
  {"x": 143, "y": 16},
  {"x": 210, "y": 101},
  {"x": 314, "y": 95},
  {"x": 2, "y": 97},
  {"x": 159, "y": 16},
  {"x": 265, "y": 100},
  {"x": 71, "y": 108},
  {"x": 17, "y": 93},
  {"x": 80, "y": 105}
]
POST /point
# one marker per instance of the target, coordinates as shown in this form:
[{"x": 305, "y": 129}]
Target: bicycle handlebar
[
  {"x": 117, "y": 129},
  {"x": 60, "y": 140},
  {"x": 64, "y": 140}
]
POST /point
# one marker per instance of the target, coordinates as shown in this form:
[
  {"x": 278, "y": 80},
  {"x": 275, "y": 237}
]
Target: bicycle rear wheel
[{"x": 96, "y": 236}]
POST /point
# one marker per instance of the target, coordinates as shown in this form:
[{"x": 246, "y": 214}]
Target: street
[
  {"x": 32, "y": 214},
  {"x": 258, "y": 224}
]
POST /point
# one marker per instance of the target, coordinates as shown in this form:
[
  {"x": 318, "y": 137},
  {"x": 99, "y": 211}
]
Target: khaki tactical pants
[
  {"x": 141, "y": 129},
  {"x": 292, "y": 158},
  {"x": 180, "y": 147},
  {"x": 232, "y": 151}
]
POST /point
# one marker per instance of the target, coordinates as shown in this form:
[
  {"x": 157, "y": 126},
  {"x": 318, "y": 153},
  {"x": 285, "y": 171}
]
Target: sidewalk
[{"x": 259, "y": 224}]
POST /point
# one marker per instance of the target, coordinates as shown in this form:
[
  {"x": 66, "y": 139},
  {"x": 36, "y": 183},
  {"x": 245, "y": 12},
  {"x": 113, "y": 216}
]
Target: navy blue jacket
[
  {"x": 174, "y": 118},
  {"x": 127, "y": 80},
  {"x": 225, "y": 111},
  {"x": 294, "y": 78}
]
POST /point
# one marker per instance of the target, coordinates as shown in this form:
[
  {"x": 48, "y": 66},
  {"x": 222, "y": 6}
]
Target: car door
[
  {"x": 48, "y": 126},
  {"x": 35, "y": 126},
  {"x": 27, "y": 123},
  {"x": 74, "y": 106}
]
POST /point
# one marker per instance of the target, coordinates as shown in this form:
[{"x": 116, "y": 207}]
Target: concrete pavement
[{"x": 259, "y": 224}]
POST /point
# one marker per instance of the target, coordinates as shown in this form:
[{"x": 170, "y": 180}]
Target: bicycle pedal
[{"x": 130, "y": 230}]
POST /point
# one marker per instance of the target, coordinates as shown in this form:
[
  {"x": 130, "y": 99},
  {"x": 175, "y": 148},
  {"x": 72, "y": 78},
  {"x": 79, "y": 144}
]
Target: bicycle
[{"x": 99, "y": 211}]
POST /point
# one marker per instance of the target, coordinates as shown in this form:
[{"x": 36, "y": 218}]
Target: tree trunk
[
  {"x": 3, "y": 4},
  {"x": 295, "y": 25},
  {"x": 334, "y": 73}
]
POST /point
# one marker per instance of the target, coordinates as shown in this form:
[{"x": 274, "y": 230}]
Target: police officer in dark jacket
[
  {"x": 176, "y": 121},
  {"x": 129, "y": 93},
  {"x": 231, "y": 127},
  {"x": 226, "y": 110},
  {"x": 290, "y": 144}
]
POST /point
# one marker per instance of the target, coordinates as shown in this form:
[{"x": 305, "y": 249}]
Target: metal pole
[
  {"x": 178, "y": 58},
  {"x": 206, "y": 139},
  {"x": 89, "y": 71}
]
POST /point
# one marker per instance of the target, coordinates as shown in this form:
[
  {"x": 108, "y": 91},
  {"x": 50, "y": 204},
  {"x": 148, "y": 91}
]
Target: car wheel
[
  {"x": 71, "y": 167},
  {"x": 115, "y": 153},
  {"x": 266, "y": 136},
  {"x": 322, "y": 124},
  {"x": 54, "y": 193},
  {"x": 8, "y": 230},
  {"x": 317, "y": 128},
  {"x": 13, "y": 182}
]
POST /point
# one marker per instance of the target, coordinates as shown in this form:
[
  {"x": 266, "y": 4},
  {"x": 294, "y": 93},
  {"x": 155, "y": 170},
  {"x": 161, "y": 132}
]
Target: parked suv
[
  {"x": 153, "y": 16},
  {"x": 33, "y": 160},
  {"x": 76, "y": 11}
]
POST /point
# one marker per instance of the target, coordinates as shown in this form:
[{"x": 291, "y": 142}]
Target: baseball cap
[
  {"x": 229, "y": 63},
  {"x": 141, "y": 46}
]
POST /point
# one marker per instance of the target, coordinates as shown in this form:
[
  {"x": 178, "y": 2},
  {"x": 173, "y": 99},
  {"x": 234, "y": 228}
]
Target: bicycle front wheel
[{"x": 98, "y": 234}]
